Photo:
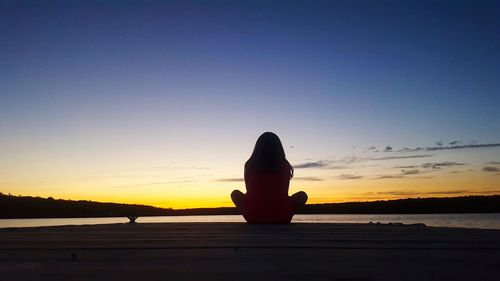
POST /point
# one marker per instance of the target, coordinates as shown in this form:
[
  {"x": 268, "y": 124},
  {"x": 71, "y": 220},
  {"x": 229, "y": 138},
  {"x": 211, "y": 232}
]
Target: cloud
[
  {"x": 390, "y": 177},
  {"x": 447, "y": 192},
  {"x": 406, "y": 149},
  {"x": 463, "y": 146},
  {"x": 443, "y": 192},
  {"x": 453, "y": 145},
  {"x": 412, "y": 193},
  {"x": 406, "y": 167},
  {"x": 398, "y": 193},
  {"x": 489, "y": 192},
  {"x": 439, "y": 165},
  {"x": 317, "y": 164},
  {"x": 439, "y": 143},
  {"x": 388, "y": 148},
  {"x": 493, "y": 163},
  {"x": 405, "y": 174},
  {"x": 372, "y": 148},
  {"x": 190, "y": 168},
  {"x": 401, "y": 157},
  {"x": 345, "y": 162},
  {"x": 307, "y": 178},
  {"x": 337, "y": 167},
  {"x": 351, "y": 159},
  {"x": 354, "y": 159},
  {"x": 320, "y": 164},
  {"x": 491, "y": 169},
  {"x": 230, "y": 180},
  {"x": 410, "y": 172},
  {"x": 349, "y": 177}
]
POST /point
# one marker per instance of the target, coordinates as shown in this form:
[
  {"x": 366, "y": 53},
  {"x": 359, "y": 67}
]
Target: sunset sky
[{"x": 161, "y": 102}]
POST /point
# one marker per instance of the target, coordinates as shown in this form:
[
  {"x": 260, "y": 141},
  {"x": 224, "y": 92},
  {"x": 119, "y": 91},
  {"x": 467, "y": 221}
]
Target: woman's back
[
  {"x": 267, "y": 178},
  {"x": 267, "y": 198}
]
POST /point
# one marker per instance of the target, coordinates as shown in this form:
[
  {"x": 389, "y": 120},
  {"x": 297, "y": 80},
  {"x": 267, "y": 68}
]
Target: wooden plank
[{"x": 219, "y": 251}]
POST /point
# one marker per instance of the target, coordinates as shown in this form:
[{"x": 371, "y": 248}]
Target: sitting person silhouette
[{"x": 267, "y": 178}]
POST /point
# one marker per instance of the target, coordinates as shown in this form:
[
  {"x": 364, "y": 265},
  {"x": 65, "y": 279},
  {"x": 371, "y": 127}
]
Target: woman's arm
[{"x": 245, "y": 177}]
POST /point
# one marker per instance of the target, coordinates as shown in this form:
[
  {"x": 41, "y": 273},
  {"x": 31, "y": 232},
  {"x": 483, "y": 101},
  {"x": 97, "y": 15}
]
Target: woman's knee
[
  {"x": 300, "y": 198},
  {"x": 237, "y": 197},
  {"x": 236, "y": 194}
]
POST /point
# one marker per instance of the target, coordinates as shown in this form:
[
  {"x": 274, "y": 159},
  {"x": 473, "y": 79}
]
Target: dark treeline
[
  {"x": 465, "y": 204},
  {"x": 36, "y": 207}
]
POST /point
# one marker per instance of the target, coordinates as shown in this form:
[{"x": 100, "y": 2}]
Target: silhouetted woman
[{"x": 267, "y": 177}]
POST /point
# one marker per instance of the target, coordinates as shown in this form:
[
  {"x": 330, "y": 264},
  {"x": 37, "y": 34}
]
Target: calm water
[{"x": 491, "y": 221}]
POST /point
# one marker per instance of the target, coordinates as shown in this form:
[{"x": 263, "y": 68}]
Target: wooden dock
[{"x": 238, "y": 251}]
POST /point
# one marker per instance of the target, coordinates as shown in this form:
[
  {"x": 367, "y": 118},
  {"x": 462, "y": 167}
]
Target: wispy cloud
[
  {"x": 337, "y": 167},
  {"x": 439, "y": 165},
  {"x": 431, "y": 165},
  {"x": 390, "y": 177},
  {"x": 398, "y": 193},
  {"x": 354, "y": 159},
  {"x": 447, "y": 192},
  {"x": 453, "y": 145},
  {"x": 349, "y": 177},
  {"x": 463, "y": 146},
  {"x": 230, "y": 180},
  {"x": 410, "y": 172},
  {"x": 407, "y": 167},
  {"x": 394, "y": 194},
  {"x": 488, "y": 192},
  {"x": 405, "y": 174},
  {"x": 491, "y": 169},
  {"x": 320, "y": 164},
  {"x": 190, "y": 168},
  {"x": 406, "y": 149},
  {"x": 443, "y": 192},
  {"x": 316, "y": 164},
  {"x": 307, "y": 179},
  {"x": 401, "y": 157}
]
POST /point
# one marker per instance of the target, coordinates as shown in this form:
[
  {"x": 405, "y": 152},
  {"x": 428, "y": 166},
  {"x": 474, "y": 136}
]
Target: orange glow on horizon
[{"x": 210, "y": 194}]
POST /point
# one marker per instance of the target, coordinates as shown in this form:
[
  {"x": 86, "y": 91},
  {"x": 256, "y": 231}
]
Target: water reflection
[{"x": 488, "y": 221}]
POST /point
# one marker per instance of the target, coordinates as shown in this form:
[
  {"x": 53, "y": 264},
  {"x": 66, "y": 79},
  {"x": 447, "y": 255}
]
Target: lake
[{"x": 486, "y": 221}]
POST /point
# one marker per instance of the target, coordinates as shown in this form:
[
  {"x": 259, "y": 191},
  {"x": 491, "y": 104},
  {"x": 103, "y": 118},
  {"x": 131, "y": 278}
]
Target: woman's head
[{"x": 268, "y": 155}]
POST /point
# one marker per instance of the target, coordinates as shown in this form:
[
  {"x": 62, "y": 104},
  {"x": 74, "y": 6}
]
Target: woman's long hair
[{"x": 268, "y": 155}]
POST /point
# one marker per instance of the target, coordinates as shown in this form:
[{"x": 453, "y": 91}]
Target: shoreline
[{"x": 472, "y": 220}]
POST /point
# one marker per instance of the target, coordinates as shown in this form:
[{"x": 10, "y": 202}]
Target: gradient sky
[{"x": 161, "y": 102}]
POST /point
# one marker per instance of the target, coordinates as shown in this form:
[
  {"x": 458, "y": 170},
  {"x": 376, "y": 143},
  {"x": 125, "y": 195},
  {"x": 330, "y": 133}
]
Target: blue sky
[{"x": 96, "y": 84}]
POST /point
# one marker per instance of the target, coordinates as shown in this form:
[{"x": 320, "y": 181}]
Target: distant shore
[
  {"x": 476, "y": 220},
  {"x": 35, "y": 207}
]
